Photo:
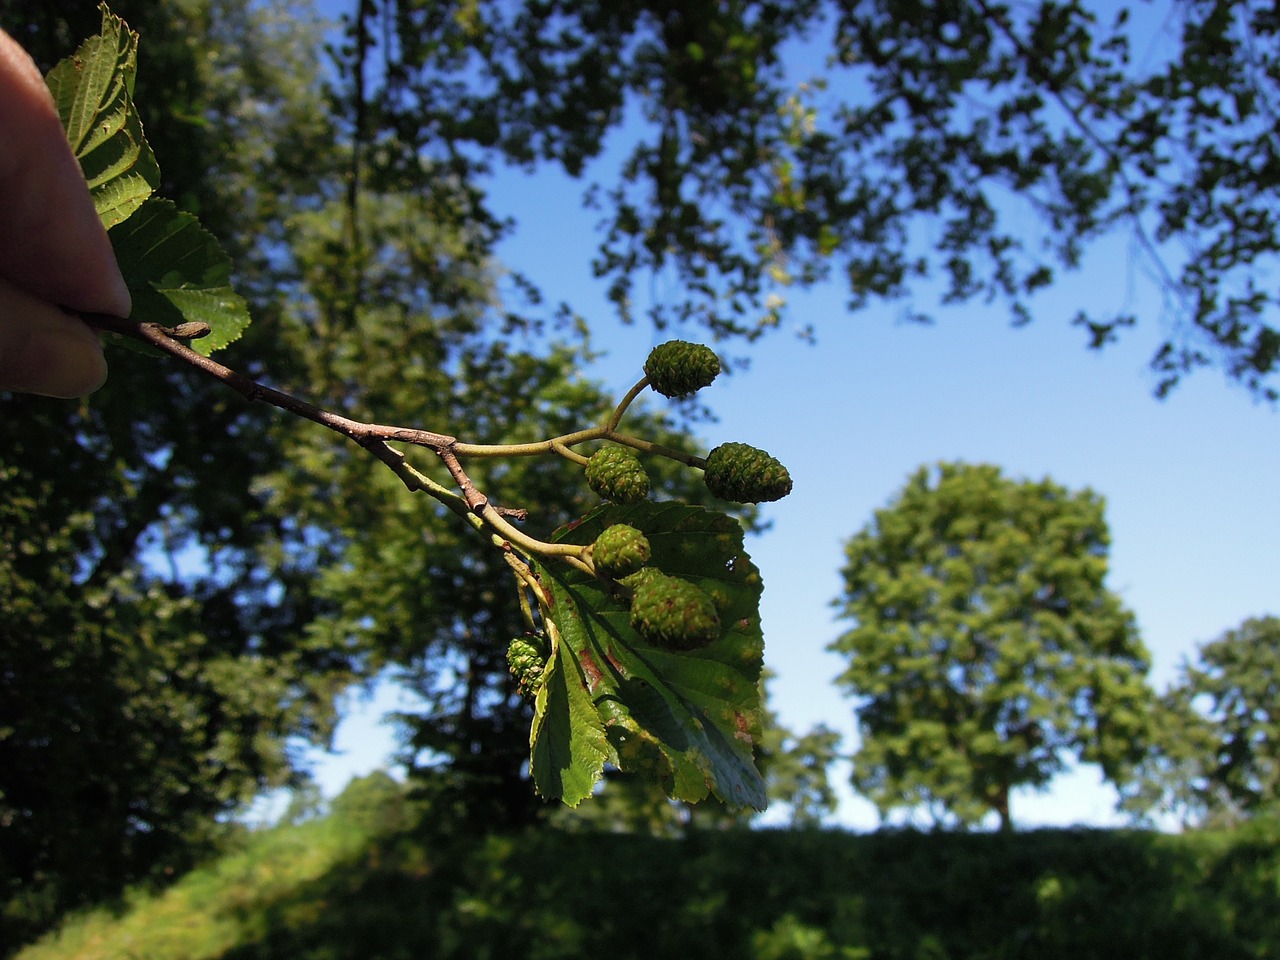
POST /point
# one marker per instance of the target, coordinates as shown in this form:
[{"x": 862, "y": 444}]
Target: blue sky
[{"x": 1190, "y": 481}]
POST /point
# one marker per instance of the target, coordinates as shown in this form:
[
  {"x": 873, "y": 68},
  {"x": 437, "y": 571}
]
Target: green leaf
[
  {"x": 176, "y": 272},
  {"x": 567, "y": 745},
  {"x": 93, "y": 95},
  {"x": 700, "y": 709}
]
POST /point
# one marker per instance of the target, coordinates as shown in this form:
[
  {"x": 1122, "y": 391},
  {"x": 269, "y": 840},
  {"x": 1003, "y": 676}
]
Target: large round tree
[{"x": 986, "y": 649}]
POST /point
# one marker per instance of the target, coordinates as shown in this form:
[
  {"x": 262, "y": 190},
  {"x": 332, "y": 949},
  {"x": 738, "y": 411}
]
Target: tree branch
[
  {"x": 374, "y": 437},
  {"x": 170, "y": 341},
  {"x": 1136, "y": 201}
]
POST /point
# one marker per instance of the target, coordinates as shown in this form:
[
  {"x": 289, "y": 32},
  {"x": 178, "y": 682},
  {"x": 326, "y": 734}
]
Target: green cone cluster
[
  {"x": 670, "y": 612},
  {"x": 616, "y": 474},
  {"x": 620, "y": 551},
  {"x": 744, "y": 474},
  {"x": 678, "y": 368},
  {"x": 527, "y": 661}
]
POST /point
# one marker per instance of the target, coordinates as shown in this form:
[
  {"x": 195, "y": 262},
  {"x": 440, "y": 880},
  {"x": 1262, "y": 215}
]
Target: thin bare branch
[{"x": 366, "y": 434}]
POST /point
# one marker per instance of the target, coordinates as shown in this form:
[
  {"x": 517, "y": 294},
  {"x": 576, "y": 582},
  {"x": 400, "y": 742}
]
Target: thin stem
[
  {"x": 634, "y": 392},
  {"x": 526, "y": 611},
  {"x": 523, "y": 540},
  {"x": 568, "y": 454},
  {"x": 416, "y": 480},
  {"x": 658, "y": 449},
  {"x": 532, "y": 449},
  {"x": 560, "y": 445}
]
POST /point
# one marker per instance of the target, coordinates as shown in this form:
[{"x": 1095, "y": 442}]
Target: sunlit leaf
[
  {"x": 567, "y": 744},
  {"x": 177, "y": 272},
  {"x": 93, "y": 95}
]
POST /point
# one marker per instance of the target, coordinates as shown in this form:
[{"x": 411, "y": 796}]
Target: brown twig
[
  {"x": 369, "y": 435},
  {"x": 374, "y": 437}
]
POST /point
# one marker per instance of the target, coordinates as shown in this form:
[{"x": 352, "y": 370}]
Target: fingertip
[
  {"x": 46, "y": 351},
  {"x": 80, "y": 356},
  {"x": 116, "y": 295}
]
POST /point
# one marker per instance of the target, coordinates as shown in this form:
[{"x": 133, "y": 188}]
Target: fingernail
[{"x": 121, "y": 298}]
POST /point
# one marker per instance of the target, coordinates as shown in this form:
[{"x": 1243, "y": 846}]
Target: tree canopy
[
  {"x": 986, "y": 647},
  {"x": 156, "y": 672},
  {"x": 972, "y": 147},
  {"x": 1214, "y": 758}
]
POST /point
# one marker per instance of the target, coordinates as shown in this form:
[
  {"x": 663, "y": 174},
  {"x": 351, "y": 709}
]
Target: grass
[{"x": 215, "y": 908}]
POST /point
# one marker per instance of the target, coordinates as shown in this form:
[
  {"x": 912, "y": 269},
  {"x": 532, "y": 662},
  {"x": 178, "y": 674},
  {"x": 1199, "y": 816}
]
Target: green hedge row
[
  {"x": 379, "y": 894},
  {"x": 776, "y": 895}
]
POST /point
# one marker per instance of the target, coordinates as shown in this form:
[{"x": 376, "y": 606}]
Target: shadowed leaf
[
  {"x": 701, "y": 708},
  {"x": 567, "y": 743}
]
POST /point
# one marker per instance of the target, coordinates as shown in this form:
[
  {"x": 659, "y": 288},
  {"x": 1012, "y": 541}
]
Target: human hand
[{"x": 54, "y": 254}]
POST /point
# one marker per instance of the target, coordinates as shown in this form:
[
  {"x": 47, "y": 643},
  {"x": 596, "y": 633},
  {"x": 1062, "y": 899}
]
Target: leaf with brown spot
[{"x": 700, "y": 707}]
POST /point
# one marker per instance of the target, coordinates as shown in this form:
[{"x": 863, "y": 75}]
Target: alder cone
[
  {"x": 620, "y": 551},
  {"x": 678, "y": 368},
  {"x": 670, "y": 612},
  {"x": 745, "y": 474},
  {"x": 527, "y": 661},
  {"x": 616, "y": 474}
]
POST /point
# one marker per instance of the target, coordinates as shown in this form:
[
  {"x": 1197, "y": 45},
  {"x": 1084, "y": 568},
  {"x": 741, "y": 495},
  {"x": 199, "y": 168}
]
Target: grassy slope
[{"x": 339, "y": 888}]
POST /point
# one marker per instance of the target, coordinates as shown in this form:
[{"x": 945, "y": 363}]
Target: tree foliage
[
  {"x": 155, "y": 673},
  {"x": 797, "y": 768},
  {"x": 1216, "y": 755},
  {"x": 131, "y": 712},
  {"x": 985, "y": 645},
  {"x": 776, "y": 144}
]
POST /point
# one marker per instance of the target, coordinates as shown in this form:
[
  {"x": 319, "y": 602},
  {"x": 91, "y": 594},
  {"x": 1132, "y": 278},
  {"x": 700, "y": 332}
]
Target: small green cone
[
  {"x": 616, "y": 474},
  {"x": 527, "y": 661},
  {"x": 620, "y": 551},
  {"x": 670, "y": 612},
  {"x": 744, "y": 474},
  {"x": 678, "y": 368}
]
